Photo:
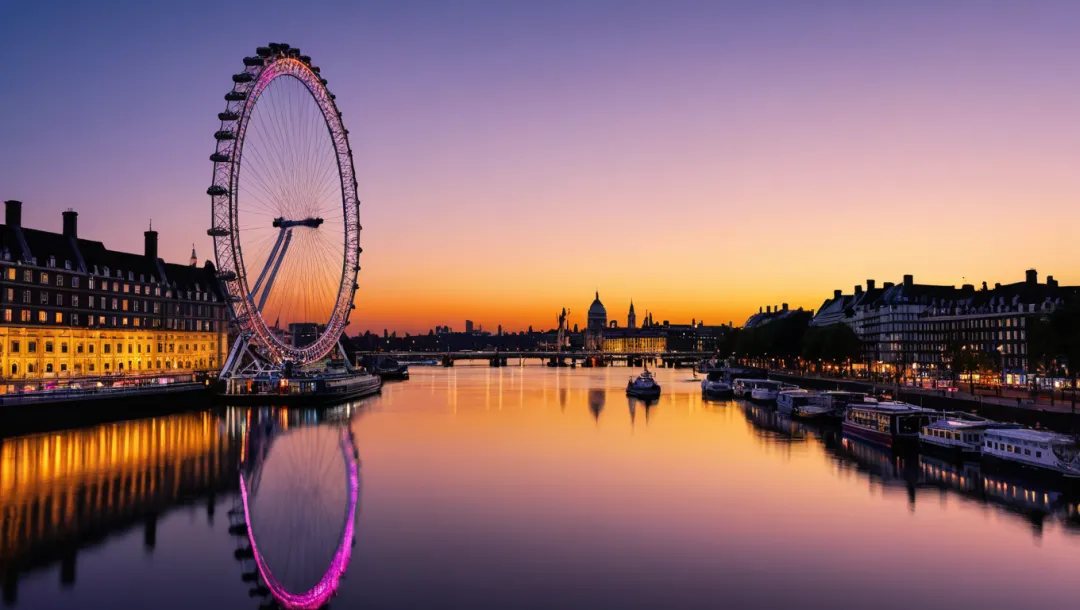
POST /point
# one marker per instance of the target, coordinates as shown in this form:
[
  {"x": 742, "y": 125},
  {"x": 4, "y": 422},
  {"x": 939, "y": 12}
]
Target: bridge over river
[{"x": 551, "y": 358}]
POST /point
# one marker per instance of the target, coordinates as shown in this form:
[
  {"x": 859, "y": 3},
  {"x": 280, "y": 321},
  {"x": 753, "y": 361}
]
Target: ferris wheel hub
[{"x": 311, "y": 223}]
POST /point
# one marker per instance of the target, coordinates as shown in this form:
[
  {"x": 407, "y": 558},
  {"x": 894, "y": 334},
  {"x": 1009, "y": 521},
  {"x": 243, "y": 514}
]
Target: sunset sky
[{"x": 514, "y": 157}]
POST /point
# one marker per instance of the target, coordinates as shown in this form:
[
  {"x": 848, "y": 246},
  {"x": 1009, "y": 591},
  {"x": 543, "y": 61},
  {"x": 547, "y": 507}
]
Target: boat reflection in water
[
  {"x": 296, "y": 512},
  {"x": 1033, "y": 500},
  {"x": 768, "y": 423}
]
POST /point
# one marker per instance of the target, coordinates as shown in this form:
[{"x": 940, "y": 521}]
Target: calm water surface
[{"x": 519, "y": 488}]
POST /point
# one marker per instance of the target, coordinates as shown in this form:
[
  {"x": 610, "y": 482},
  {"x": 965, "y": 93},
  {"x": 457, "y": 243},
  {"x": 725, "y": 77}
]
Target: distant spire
[{"x": 194, "y": 259}]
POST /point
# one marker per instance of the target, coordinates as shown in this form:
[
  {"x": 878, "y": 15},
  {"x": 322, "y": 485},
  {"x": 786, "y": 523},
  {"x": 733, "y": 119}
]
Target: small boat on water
[
  {"x": 714, "y": 386},
  {"x": 888, "y": 423},
  {"x": 959, "y": 434},
  {"x": 1048, "y": 452},
  {"x": 643, "y": 387},
  {"x": 743, "y": 386},
  {"x": 765, "y": 391},
  {"x": 802, "y": 404},
  {"x": 837, "y": 401},
  {"x": 389, "y": 368}
]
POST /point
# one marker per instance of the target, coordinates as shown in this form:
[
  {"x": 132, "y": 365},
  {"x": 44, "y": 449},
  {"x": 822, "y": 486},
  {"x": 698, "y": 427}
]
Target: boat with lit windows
[
  {"x": 887, "y": 422},
  {"x": 714, "y": 386},
  {"x": 300, "y": 388},
  {"x": 1038, "y": 450},
  {"x": 765, "y": 391},
  {"x": 801, "y": 404},
  {"x": 643, "y": 387},
  {"x": 959, "y": 434}
]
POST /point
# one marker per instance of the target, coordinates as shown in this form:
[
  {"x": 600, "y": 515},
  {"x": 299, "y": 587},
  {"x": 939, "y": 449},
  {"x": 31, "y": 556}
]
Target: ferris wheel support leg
[
  {"x": 269, "y": 262},
  {"x": 273, "y": 274},
  {"x": 236, "y": 354},
  {"x": 348, "y": 365}
]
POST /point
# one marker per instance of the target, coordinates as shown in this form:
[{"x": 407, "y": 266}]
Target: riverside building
[
  {"x": 914, "y": 329},
  {"x": 72, "y": 311}
]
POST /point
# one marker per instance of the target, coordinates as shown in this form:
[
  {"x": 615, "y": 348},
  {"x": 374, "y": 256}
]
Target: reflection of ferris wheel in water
[
  {"x": 298, "y": 500},
  {"x": 285, "y": 213}
]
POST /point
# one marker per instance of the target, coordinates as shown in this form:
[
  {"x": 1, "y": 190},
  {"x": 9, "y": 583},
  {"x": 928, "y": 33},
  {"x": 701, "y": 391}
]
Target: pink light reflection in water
[{"x": 327, "y": 586}]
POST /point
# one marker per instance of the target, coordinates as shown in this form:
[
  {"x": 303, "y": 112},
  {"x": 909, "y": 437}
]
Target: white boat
[
  {"x": 742, "y": 387},
  {"x": 1047, "y": 451},
  {"x": 644, "y": 387},
  {"x": 803, "y": 404},
  {"x": 765, "y": 391},
  {"x": 714, "y": 386},
  {"x": 959, "y": 433}
]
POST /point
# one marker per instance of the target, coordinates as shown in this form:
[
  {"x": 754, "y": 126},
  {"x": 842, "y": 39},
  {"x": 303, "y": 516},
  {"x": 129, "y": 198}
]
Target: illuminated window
[
  {"x": 42, "y": 316},
  {"x": 28, "y": 276},
  {"x": 7, "y": 315},
  {"x": 11, "y": 273},
  {"x": 124, "y": 305},
  {"x": 24, "y": 315},
  {"x": 59, "y": 317},
  {"x": 115, "y": 287},
  {"x": 44, "y": 278},
  {"x": 127, "y": 288},
  {"x": 114, "y": 304},
  {"x": 90, "y": 283}
]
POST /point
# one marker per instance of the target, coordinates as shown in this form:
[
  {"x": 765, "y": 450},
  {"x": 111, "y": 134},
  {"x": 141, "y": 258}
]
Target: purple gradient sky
[{"x": 703, "y": 159}]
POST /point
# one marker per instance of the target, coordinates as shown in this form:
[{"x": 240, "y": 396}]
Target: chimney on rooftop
[
  {"x": 997, "y": 285},
  {"x": 909, "y": 280},
  {"x": 836, "y": 294},
  {"x": 858, "y": 288},
  {"x": 1032, "y": 277},
  {"x": 150, "y": 243},
  {"x": 968, "y": 288},
  {"x": 71, "y": 223},
  {"x": 768, "y": 309},
  {"x": 887, "y": 285},
  {"x": 13, "y": 213},
  {"x": 870, "y": 285},
  {"x": 785, "y": 306},
  {"x": 1051, "y": 282}
]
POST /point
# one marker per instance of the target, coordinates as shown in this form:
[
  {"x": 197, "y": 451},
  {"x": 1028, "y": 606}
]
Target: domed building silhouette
[
  {"x": 597, "y": 314},
  {"x": 597, "y": 321}
]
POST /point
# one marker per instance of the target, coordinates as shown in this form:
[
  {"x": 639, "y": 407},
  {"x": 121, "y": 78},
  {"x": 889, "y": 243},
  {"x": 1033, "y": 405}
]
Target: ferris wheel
[{"x": 285, "y": 212}]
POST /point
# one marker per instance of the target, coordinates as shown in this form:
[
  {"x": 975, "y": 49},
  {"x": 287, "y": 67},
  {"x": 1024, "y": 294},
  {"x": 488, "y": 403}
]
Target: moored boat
[
  {"x": 888, "y": 422},
  {"x": 1033, "y": 449},
  {"x": 959, "y": 434},
  {"x": 714, "y": 386},
  {"x": 643, "y": 387},
  {"x": 300, "y": 390},
  {"x": 802, "y": 404},
  {"x": 765, "y": 391}
]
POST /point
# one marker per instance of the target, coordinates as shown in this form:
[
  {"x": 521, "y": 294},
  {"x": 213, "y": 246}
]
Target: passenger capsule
[
  {"x": 224, "y": 135},
  {"x": 235, "y": 96},
  {"x": 263, "y": 51},
  {"x": 243, "y": 77},
  {"x": 217, "y": 190},
  {"x": 217, "y": 232},
  {"x": 253, "y": 61},
  {"x": 227, "y": 116},
  {"x": 306, "y": 59},
  {"x": 219, "y": 158}
]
